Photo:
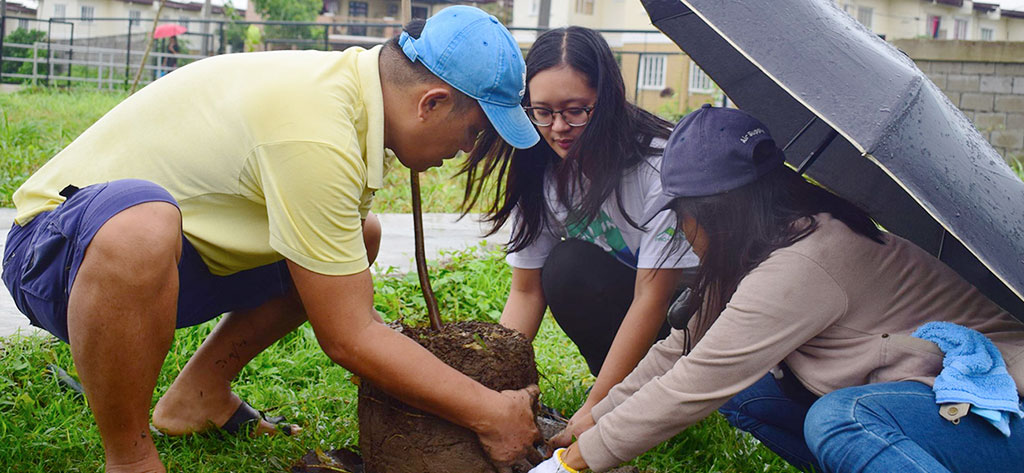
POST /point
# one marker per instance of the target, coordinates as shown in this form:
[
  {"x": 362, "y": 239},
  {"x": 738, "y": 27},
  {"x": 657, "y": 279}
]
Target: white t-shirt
[{"x": 610, "y": 230}]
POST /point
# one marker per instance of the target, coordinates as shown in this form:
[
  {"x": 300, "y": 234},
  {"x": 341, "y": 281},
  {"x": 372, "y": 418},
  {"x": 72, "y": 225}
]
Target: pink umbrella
[{"x": 167, "y": 30}]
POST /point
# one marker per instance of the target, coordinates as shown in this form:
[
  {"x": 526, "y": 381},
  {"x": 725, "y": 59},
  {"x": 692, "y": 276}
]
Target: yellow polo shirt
[{"x": 270, "y": 155}]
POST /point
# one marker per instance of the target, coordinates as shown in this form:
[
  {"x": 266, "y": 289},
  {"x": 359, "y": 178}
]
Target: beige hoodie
[{"x": 837, "y": 307}]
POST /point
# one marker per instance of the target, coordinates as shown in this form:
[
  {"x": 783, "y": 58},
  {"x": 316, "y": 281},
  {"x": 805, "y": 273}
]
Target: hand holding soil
[{"x": 513, "y": 432}]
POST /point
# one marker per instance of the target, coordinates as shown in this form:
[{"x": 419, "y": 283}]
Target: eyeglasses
[{"x": 574, "y": 116}]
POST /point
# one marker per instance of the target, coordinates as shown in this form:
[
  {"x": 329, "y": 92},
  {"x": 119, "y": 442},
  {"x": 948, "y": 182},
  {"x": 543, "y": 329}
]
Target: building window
[
  {"x": 183, "y": 21},
  {"x": 959, "y": 29},
  {"x": 865, "y": 15},
  {"x": 393, "y": 10},
  {"x": 700, "y": 83},
  {"x": 652, "y": 71},
  {"x": 22, "y": 24},
  {"x": 987, "y": 34},
  {"x": 419, "y": 13},
  {"x": 357, "y": 10},
  {"x": 360, "y": 9},
  {"x": 585, "y": 7},
  {"x": 135, "y": 16},
  {"x": 88, "y": 13},
  {"x": 59, "y": 10},
  {"x": 332, "y": 7}
]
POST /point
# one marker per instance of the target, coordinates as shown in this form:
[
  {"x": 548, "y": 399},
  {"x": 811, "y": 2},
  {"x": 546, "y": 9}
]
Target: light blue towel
[{"x": 973, "y": 371}]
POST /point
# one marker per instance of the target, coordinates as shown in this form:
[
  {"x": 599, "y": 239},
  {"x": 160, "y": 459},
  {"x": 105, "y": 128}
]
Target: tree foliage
[
  {"x": 289, "y": 10},
  {"x": 23, "y": 37}
]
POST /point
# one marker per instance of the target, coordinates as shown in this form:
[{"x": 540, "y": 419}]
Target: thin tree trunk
[{"x": 149, "y": 46}]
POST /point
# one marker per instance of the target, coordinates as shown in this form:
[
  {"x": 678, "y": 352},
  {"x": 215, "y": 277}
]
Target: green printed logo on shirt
[
  {"x": 666, "y": 235},
  {"x": 602, "y": 229}
]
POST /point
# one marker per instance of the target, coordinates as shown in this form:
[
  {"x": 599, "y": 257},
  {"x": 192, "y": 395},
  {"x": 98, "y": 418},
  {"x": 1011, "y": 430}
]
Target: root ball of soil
[{"x": 396, "y": 438}]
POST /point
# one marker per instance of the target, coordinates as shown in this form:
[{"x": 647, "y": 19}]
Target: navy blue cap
[{"x": 711, "y": 151}]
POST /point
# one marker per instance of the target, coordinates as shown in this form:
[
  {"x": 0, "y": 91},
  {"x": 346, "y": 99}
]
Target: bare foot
[{"x": 176, "y": 414}]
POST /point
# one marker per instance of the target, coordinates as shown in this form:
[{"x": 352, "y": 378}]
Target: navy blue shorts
[{"x": 42, "y": 258}]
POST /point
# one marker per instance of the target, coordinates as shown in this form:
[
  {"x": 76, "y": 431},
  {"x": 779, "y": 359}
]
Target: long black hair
[
  {"x": 743, "y": 226},
  {"x": 616, "y": 139}
]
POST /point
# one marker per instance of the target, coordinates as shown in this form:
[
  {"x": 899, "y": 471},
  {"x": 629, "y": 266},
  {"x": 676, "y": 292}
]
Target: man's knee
[
  {"x": 144, "y": 238},
  {"x": 371, "y": 237}
]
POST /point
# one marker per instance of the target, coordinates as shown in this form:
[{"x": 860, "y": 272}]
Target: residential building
[
  {"x": 103, "y": 18},
  {"x": 664, "y": 80},
  {"x": 375, "y": 13},
  {"x": 22, "y": 16},
  {"x": 937, "y": 19},
  {"x": 658, "y": 76}
]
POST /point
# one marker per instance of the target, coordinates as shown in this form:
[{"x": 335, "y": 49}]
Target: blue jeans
[
  {"x": 774, "y": 418},
  {"x": 891, "y": 427}
]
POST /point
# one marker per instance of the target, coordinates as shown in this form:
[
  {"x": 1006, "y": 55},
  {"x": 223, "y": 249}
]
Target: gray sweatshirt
[{"x": 837, "y": 307}]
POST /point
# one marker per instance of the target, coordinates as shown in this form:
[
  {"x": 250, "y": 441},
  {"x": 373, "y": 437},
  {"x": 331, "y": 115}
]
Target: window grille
[
  {"x": 700, "y": 83},
  {"x": 959, "y": 29},
  {"x": 865, "y": 15},
  {"x": 585, "y": 7},
  {"x": 652, "y": 71}
]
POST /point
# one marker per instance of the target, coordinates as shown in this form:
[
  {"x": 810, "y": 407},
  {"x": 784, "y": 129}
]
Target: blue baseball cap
[
  {"x": 710, "y": 152},
  {"x": 474, "y": 53}
]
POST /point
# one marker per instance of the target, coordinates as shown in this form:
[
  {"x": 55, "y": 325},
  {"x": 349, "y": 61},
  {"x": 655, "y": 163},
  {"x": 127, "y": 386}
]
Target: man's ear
[{"x": 433, "y": 101}]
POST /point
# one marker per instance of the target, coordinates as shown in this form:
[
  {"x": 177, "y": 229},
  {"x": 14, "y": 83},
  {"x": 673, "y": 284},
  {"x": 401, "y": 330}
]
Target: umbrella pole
[
  {"x": 809, "y": 160},
  {"x": 149, "y": 47}
]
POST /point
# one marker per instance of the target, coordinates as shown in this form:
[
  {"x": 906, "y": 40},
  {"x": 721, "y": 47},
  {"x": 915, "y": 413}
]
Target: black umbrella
[{"x": 860, "y": 118}]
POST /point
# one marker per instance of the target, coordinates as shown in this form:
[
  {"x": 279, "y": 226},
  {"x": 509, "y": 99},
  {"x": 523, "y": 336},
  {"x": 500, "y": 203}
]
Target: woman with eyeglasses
[{"x": 574, "y": 200}]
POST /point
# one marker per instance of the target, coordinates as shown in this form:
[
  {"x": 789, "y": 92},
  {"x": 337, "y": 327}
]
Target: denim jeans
[
  {"x": 774, "y": 418},
  {"x": 890, "y": 427}
]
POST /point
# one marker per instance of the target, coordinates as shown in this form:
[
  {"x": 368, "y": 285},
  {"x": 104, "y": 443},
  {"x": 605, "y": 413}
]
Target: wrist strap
[{"x": 561, "y": 463}]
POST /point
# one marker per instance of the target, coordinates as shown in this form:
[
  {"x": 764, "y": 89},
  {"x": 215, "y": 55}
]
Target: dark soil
[{"x": 396, "y": 438}]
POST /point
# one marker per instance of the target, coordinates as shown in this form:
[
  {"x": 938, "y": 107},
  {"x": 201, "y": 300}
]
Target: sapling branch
[{"x": 421, "y": 257}]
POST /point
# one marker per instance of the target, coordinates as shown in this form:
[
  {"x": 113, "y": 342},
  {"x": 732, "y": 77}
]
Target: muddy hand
[
  {"x": 515, "y": 431},
  {"x": 580, "y": 422}
]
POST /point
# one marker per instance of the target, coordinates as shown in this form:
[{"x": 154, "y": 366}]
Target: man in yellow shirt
[{"x": 242, "y": 184}]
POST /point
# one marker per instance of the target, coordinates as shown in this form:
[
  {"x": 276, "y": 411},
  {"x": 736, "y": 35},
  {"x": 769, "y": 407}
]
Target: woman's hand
[{"x": 580, "y": 422}]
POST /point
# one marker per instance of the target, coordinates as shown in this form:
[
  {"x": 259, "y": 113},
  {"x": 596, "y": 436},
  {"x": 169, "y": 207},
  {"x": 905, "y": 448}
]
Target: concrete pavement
[{"x": 397, "y": 251}]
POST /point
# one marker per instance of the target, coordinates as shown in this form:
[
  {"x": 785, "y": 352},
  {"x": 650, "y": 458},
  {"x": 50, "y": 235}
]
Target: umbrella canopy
[
  {"x": 860, "y": 118},
  {"x": 167, "y": 30}
]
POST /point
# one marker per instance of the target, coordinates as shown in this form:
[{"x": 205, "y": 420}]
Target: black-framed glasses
[{"x": 574, "y": 116}]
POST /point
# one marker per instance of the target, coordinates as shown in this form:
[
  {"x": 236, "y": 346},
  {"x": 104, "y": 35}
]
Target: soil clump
[{"x": 396, "y": 438}]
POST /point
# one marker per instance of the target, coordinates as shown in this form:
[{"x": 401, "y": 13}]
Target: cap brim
[
  {"x": 512, "y": 124},
  {"x": 660, "y": 204}
]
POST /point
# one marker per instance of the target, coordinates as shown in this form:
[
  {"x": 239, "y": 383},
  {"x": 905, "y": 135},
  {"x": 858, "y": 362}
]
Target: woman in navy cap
[
  {"x": 795, "y": 277},
  {"x": 574, "y": 200}
]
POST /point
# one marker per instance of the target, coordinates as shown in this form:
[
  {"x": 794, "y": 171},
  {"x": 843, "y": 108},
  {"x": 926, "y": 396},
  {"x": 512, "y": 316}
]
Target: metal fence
[
  {"x": 90, "y": 50},
  {"x": 107, "y": 52}
]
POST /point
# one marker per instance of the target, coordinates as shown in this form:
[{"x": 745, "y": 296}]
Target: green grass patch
[
  {"x": 44, "y": 428},
  {"x": 37, "y": 123}
]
